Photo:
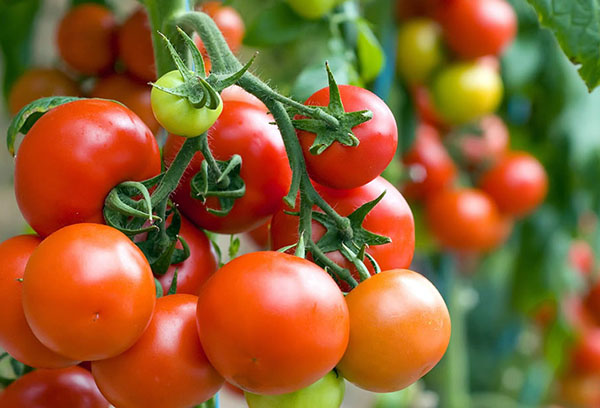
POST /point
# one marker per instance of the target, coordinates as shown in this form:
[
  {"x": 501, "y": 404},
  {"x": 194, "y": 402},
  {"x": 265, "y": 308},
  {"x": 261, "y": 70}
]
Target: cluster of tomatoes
[{"x": 448, "y": 55}]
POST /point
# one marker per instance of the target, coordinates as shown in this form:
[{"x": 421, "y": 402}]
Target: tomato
[
  {"x": 135, "y": 46},
  {"x": 399, "y": 330},
  {"x": 430, "y": 166},
  {"x": 88, "y": 292},
  {"x": 86, "y": 38},
  {"x": 260, "y": 235},
  {"x": 282, "y": 326},
  {"x": 478, "y": 28},
  {"x": 586, "y": 352},
  {"x": 328, "y": 392},
  {"x": 312, "y": 9},
  {"x": 246, "y": 130},
  {"x": 518, "y": 183},
  {"x": 466, "y": 220},
  {"x": 229, "y": 22},
  {"x": 419, "y": 50},
  {"x": 580, "y": 390},
  {"x": 71, "y": 387},
  {"x": 409, "y": 9},
  {"x": 592, "y": 301},
  {"x": 345, "y": 167},
  {"x": 391, "y": 217},
  {"x": 74, "y": 155},
  {"x": 166, "y": 367},
  {"x": 466, "y": 91},
  {"x": 176, "y": 114},
  {"x": 487, "y": 147},
  {"x": 426, "y": 110},
  {"x": 135, "y": 95},
  {"x": 16, "y": 337},
  {"x": 193, "y": 272},
  {"x": 581, "y": 257},
  {"x": 38, "y": 83},
  {"x": 237, "y": 93}
]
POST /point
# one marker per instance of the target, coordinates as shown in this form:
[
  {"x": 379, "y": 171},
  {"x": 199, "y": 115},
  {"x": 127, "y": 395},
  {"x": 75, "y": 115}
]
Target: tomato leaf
[{"x": 371, "y": 57}]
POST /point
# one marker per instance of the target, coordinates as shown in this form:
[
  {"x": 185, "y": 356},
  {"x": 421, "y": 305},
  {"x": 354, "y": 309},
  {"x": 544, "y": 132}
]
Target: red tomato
[
  {"x": 135, "y": 95},
  {"x": 518, "y": 183},
  {"x": 195, "y": 270},
  {"x": 38, "y": 83},
  {"x": 345, "y": 167},
  {"x": 581, "y": 257},
  {"x": 237, "y": 93},
  {"x": 466, "y": 220},
  {"x": 282, "y": 326},
  {"x": 489, "y": 146},
  {"x": 88, "y": 292},
  {"x": 246, "y": 130},
  {"x": 592, "y": 301},
  {"x": 16, "y": 336},
  {"x": 586, "y": 352},
  {"x": 166, "y": 367},
  {"x": 228, "y": 21},
  {"x": 475, "y": 28},
  {"x": 86, "y": 38},
  {"x": 260, "y": 235},
  {"x": 71, "y": 387},
  {"x": 74, "y": 155},
  {"x": 426, "y": 110},
  {"x": 399, "y": 330},
  {"x": 430, "y": 166},
  {"x": 391, "y": 217},
  {"x": 135, "y": 46}
]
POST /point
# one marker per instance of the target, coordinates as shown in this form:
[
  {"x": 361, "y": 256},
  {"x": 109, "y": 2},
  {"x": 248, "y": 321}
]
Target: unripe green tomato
[
  {"x": 312, "y": 9},
  {"x": 176, "y": 114},
  {"x": 466, "y": 91},
  {"x": 419, "y": 50},
  {"x": 328, "y": 392}
]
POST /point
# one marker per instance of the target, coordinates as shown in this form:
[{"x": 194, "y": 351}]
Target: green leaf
[{"x": 371, "y": 57}]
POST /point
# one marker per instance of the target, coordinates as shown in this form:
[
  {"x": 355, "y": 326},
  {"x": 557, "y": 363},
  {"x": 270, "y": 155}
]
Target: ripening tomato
[
  {"x": 466, "y": 220},
  {"x": 135, "y": 46},
  {"x": 581, "y": 257},
  {"x": 478, "y": 28},
  {"x": 74, "y": 155},
  {"x": 133, "y": 94},
  {"x": 38, "y": 83},
  {"x": 71, "y": 387},
  {"x": 391, "y": 217},
  {"x": 419, "y": 50},
  {"x": 586, "y": 352},
  {"x": 86, "y": 38},
  {"x": 16, "y": 337},
  {"x": 229, "y": 22},
  {"x": 312, "y": 9},
  {"x": 429, "y": 165},
  {"x": 166, "y": 367},
  {"x": 282, "y": 326},
  {"x": 487, "y": 147},
  {"x": 88, "y": 292},
  {"x": 517, "y": 183},
  {"x": 246, "y": 130},
  {"x": 345, "y": 167},
  {"x": 399, "y": 330}
]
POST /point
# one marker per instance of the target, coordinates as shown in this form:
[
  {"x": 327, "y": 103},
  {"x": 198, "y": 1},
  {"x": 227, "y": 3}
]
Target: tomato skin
[
  {"x": 38, "y": 83},
  {"x": 256, "y": 336},
  {"x": 86, "y": 39},
  {"x": 16, "y": 336},
  {"x": 261, "y": 235},
  {"x": 58, "y": 179},
  {"x": 241, "y": 129},
  {"x": 488, "y": 147},
  {"x": 466, "y": 220},
  {"x": 478, "y": 28},
  {"x": 518, "y": 183},
  {"x": 586, "y": 352},
  {"x": 135, "y": 95},
  {"x": 391, "y": 217},
  {"x": 399, "y": 330},
  {"x": 135, "y": 46},
  {"x": 88, "y": 292},
  {"x": 419, "y": 50},
  {"x": 71, "y": 387},
  {"x": 426, "y": 110},
  {"x": 229, "y": 22},
  {"x": 166, "y": 367},
  {"x": 581, "y": 257},
  {"x": 345, "y": 167},
  {"x": 237, "y": 93}
]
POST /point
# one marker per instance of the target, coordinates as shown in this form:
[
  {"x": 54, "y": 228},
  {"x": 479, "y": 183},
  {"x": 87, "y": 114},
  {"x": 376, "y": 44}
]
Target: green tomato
[
  {"x": 466, "y": 91},
  {"x": 419, "y": 50},
  {"x": 176, "y": 114},
  {"x": 328, "y": 392},
  {"x": 312, "y": 9}
]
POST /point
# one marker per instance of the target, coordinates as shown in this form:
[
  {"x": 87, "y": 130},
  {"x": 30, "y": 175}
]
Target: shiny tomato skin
[
  {"x": 166, "y": 367},
  {"x": 38, "y": 83},
  {"x": 517, "y": 183},
  {"x": 88, "y": 292},
  {"x": 135, "y": 46},
  {"x": 391, "y": 217},
  {"x": 345, "y": 167},
  {"x": 71, "y": 387},
  {"x": 282, "y": 326},
  {"x": 242, "y": 129},
  {"x": 16, "y": 336},
  {"x": 229, "y": 22},
  {"x": 86, "y": 39},
  {"x": 399, "y": 330},
  {"x": 466, "y": 220},
  {"x": 237, "y": 93},
  {"x": 488, "y": 147},
  {"x": 74, "y": 155}
]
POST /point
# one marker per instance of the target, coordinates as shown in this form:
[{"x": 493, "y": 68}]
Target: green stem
[
  {"x": 208, "y": 156},
  {"x": 308, "y": 110}
]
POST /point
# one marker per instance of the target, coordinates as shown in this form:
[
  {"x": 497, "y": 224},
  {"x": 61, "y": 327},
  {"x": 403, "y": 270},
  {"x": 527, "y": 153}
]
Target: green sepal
[
  {"x": 159, "y": 288},
  {"x": 173, "y": 286},
  {"x": 222, "y": 81}
]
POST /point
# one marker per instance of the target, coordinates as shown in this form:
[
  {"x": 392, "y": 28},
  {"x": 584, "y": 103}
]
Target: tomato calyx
[{"x": 19, "y": 369}]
